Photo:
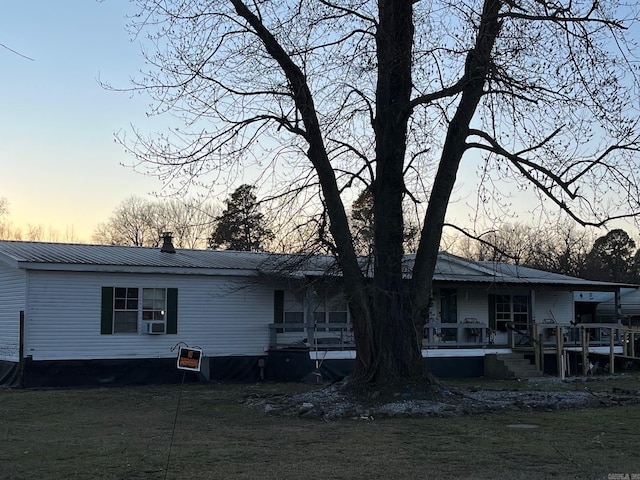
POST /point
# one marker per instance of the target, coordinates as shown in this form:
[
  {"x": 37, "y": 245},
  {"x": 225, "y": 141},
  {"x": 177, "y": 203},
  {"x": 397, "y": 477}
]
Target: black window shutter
[
  {"x": 106, "y": 313},
  {"x": 492, "y": 312},
  {"x": 172, "y": 311}
]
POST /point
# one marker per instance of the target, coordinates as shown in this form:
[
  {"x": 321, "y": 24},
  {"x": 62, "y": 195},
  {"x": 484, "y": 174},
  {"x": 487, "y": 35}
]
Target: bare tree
[
  {"x": 560, "y": 247},
  {"x": 391, "y": 95},
  {"x": 189, "y": 220},
  {"x": 141, "y": 222},
  {"x": 133, "y": 223},
  {"x": 7, "y": 230}
]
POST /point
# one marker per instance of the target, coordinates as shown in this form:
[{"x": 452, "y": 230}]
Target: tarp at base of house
[
  {"x": 95, "y": 373},
  {"x": 9, "y": 372},
  {"x": 277, "y": 366},
  {"x": 288, "y": 365},
  {"x": 456, "y": 367},
  {"x": 234, "y": 369}
]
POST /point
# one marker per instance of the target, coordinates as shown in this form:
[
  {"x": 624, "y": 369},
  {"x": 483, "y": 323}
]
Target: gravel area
[{"x": 335, "y": 401}]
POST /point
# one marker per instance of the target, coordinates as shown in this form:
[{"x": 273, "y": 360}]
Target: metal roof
[
  {"x": 65, "y": 256},
  {"x": 84, "y": 257}
]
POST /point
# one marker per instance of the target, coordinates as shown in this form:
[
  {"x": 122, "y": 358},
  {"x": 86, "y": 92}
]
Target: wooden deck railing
[
  {"x": 325, "y": 336},
  {"x": 470, "y": 333},
  {"x": 540, "y": 337}
]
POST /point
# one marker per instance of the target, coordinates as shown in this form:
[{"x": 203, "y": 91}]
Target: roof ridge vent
[{"x": 167, "y": 243}]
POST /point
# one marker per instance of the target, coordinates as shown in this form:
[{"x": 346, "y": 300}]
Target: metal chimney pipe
[{"x": 167, "y": 243}]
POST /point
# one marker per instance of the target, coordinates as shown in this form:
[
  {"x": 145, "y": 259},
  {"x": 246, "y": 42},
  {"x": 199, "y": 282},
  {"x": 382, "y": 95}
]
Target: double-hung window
[
  {"x": 133, "y": 310},
  {"x": 125, "y": 310},
  {"x": 154, "y": 304}
]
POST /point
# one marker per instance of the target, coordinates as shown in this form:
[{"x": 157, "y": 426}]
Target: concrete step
[
  {"x": 515, "y": 361},
  {"x": 517, "y": 366},
  {"x": 523, "y": 371}
]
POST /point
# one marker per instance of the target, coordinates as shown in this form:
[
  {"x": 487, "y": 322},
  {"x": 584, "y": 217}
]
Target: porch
[{"x": 583, "y": 345}]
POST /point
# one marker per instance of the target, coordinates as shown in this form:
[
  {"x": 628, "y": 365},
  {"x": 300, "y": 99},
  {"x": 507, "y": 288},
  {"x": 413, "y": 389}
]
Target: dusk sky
[{"x": 61, "y": 167}]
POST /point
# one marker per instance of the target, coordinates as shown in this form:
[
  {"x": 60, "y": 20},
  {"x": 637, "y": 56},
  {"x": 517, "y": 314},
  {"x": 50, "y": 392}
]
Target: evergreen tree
[
  {"x": 241, "y": 225},
  {"x": 611, "y": 258},
  {"x": 362, "y": 222}
]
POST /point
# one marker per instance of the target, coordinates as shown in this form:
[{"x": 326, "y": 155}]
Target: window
[
  {"x": 511, "y": 309},
  {"x": 287, "y": 309},
  {"x": 124, "y": 309},
  {"x": 290, "y": 308},
  {"x": 154, "y": 304}
]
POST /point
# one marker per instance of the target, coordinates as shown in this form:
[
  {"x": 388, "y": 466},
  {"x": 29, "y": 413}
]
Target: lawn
[{"x": 126, "y": 433}]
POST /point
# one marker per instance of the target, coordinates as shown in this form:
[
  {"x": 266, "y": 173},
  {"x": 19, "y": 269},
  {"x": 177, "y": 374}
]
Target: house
[{"x": 94, "y": 314}]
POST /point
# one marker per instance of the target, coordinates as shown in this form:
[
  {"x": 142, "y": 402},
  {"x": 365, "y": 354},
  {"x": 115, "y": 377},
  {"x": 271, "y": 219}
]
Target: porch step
[{"x": 517, "y": 366}]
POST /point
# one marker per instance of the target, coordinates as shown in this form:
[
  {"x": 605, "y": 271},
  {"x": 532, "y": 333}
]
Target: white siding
[
  {"x": 554, "y": 305},
  {"x": 548, "y": 304},
  {"x": 12, "y": 301},
  {"x": 473, "y": 304},
  {"x": 224, "y": 316}
]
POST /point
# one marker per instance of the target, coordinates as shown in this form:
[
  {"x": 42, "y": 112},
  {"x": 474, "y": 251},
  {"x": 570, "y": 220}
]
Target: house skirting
[
  {"x": 284, "y": 365},
  {"x": 9, "y": 373},
  {"x": 140, "y": 371}
]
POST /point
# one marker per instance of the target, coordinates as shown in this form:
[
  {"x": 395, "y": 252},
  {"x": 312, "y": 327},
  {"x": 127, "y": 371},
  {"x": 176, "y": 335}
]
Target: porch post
[
  {"x": 541, "y": 347},
  {"x": 559, "y": 351},
  {"x": 21, "y": 359},
  {"x": 626, "y": 348},
  {"x": 536, "y": 348},
  {"x": 532, "y": 297},
  {"x": 585, "y": 349},
  {"x": 512, "y": 336},
  {"x": 308, "y": 314},
  {"x": 618, "y": 307},
  {"x": 612, "y": 355}
]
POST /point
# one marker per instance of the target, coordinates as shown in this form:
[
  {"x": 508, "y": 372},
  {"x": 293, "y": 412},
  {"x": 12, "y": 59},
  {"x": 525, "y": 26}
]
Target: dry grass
[{"x": 125, "y": 433}]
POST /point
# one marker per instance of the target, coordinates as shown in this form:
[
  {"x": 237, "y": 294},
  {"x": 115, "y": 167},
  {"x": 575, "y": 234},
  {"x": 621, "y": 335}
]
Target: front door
[{"x": 512, "y": 311}]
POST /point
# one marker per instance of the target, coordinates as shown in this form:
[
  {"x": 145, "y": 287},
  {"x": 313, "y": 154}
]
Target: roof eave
[{"x": 69, "y": 267}]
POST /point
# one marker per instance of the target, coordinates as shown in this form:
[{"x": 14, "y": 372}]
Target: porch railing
[
  {"x": 469, "y": 333},
  {"x": 325, "y": 336}
]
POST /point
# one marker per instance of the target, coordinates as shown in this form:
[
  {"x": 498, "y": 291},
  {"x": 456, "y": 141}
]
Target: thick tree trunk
[
  {"x": 395, "y": 341},
  {"x": 386, "y": 315}
]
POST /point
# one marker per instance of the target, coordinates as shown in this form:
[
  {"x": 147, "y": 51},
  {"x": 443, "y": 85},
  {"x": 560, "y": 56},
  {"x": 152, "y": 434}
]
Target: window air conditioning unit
[{"x": 155, "y": 328}]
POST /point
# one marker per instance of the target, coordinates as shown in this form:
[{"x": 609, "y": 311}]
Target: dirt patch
[{"x": 337, "y": 401}]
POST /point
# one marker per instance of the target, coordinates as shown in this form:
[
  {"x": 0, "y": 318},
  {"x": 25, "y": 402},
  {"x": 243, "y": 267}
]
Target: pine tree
[{"x": 241, "y": 225}]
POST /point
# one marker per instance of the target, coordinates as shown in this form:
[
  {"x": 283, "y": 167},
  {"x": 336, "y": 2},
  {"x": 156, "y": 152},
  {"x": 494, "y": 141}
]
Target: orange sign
[{"x": 189, "y": 359}]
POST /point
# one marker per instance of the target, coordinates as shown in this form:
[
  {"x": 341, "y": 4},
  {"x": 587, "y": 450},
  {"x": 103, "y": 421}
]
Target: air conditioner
[{"x": 155, "y": 328}]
